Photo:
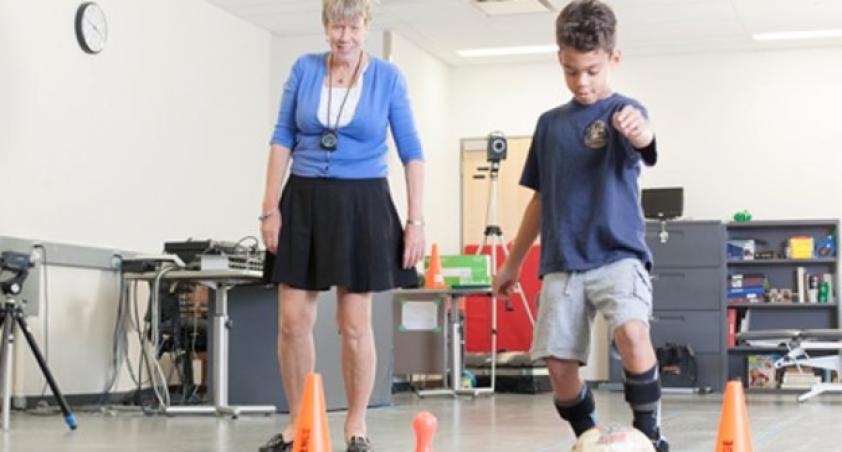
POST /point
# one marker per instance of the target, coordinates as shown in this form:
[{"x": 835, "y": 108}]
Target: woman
[{"x": 335, "y": 224}]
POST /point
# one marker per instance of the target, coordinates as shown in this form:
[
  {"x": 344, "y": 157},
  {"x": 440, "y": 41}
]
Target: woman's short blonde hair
[{"x": 345, "y": 9}]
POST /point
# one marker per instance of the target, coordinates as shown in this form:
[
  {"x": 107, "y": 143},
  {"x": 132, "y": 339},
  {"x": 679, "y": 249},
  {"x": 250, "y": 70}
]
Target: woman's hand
[
  {"x": 270, "y": 228},
  {"x": 413, "y": 245}
]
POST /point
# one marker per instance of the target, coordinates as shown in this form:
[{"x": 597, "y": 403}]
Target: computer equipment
[{"x": 663, "y": 203}]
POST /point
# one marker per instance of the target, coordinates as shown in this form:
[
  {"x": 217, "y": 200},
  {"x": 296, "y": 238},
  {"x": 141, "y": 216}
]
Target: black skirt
[{"x": 339, "y": 232}]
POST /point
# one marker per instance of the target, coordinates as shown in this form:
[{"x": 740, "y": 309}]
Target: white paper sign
[{"x": 419, "y": 315}]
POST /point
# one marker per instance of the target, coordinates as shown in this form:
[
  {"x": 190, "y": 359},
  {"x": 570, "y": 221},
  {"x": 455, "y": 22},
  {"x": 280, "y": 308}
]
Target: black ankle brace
[{"x": 580, "y": 412}]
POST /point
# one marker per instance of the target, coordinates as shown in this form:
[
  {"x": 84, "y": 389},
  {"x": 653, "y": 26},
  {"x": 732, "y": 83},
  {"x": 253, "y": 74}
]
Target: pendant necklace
[{"x": 329, "y": 136}]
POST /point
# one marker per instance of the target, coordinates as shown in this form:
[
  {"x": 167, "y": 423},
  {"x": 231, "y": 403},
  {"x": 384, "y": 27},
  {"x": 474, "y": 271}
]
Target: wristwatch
[{"x": 410, "y": 222}]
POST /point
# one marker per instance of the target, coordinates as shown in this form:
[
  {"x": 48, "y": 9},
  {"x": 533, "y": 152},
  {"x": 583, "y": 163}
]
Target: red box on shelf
[{"x": 732, "y": 327}]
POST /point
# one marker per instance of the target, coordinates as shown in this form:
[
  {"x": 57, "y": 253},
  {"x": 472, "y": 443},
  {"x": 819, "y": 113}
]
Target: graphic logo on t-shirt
[{"x": 596, "y": 135}]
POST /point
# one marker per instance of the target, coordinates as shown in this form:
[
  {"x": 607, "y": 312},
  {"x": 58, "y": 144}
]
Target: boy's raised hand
[{"x": 630, "y": 122}]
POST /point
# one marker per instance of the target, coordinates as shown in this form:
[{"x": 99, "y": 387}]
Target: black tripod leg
[
  {"x": 69, "y": 418},
  {"x": 5, "y": 364},
  {"x": 6, "y": 334}
]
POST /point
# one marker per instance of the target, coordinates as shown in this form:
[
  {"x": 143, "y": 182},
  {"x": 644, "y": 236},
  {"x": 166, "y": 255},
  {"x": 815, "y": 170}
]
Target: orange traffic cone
[
  {"x": 734, "y": 435},
  {"x": 311, "y": 430},
  {"x": 434, "y": 279}
]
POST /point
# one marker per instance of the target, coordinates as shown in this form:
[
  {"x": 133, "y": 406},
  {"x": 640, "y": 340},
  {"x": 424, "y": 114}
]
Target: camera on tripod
[
  {"x": 11, "y": 315},
  {"x": 497, "y": 147},
  {"x": 14, "y": 262},
  {"x": 17, "y": 263}
]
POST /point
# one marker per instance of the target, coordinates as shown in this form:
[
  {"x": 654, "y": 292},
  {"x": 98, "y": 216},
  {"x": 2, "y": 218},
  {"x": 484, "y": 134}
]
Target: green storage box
[{"x": 464, "y": 270}]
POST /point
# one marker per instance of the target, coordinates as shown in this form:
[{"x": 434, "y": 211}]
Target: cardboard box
[
  {"x": 801, "y": 247},
  {"x": 740, "y": 249},
  {"x": 464, "y": 270},
  {"x": 761, "y": 371}
]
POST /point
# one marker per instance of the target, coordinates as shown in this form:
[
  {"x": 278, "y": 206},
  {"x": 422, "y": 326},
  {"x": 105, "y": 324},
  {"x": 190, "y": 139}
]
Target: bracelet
[
  {"x": 263, "y": 216},
  {"x": 410, "y": 222}
]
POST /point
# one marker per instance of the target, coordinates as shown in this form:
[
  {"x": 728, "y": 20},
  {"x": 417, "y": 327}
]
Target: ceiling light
[
  {"x": 505, "y": 51},
  {"x": 790, "y": 35},
  {"x": 512, "y": 7}
]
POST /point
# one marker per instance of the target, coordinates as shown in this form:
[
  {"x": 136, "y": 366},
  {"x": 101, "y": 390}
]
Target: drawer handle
[
  {"x": 671, "y": 231},
  {"x": 670, "y": 318}
]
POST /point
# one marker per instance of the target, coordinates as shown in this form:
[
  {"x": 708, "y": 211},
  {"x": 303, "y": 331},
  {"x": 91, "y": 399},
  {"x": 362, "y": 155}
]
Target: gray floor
[{"x": 502, "y": 423}]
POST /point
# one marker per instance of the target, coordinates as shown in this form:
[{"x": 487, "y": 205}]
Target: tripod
[
  {"x": 11, "y": 312},
  {"x": 493, "y": 235}
]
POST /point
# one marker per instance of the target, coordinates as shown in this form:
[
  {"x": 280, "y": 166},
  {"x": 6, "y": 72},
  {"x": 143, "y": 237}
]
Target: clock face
[{"x": 91, "y": 27}]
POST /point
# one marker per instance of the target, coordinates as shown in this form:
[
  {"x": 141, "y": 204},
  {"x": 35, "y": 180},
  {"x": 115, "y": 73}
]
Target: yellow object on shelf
[{"x": 801, "y": 247}]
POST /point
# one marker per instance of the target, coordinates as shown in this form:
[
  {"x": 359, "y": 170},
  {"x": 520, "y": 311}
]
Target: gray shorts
[{"x": 621, "y": 291}]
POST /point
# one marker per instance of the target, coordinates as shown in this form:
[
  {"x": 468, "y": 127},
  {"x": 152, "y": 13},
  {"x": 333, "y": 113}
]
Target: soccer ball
[{"x": 613, "y": 439}]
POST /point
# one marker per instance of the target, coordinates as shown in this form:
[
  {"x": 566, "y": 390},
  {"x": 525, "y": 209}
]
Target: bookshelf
[
  {"x": 759, "y": 262},
  {"x": 747, "y": 349},
  {"x": 747, "y": 305},
  {"x": 782, "y": 305}
]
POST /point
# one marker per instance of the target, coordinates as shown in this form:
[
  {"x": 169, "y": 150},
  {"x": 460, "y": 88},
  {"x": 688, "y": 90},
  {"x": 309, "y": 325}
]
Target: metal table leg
[
  {"x": 220, "y": 368},
  {"x": 452, "y": 331}
]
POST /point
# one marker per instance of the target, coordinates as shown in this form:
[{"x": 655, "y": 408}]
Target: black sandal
[
  {"x": 276, "y": 444},
  {"x": 359, "y": 444}
]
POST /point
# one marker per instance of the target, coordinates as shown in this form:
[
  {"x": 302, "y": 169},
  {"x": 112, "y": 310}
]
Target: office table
[
  {"x": 452, "y": 333},
  {"x": 221, "y": 281}
]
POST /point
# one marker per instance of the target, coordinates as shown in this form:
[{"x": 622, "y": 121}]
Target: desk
[
  {"x": 453, "y": 338},
  {"x": 221, "y": 281}
]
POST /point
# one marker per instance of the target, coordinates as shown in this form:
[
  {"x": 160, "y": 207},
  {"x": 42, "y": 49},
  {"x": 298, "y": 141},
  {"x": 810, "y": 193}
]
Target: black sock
[
  {"x": 643, "y": 393},
  {"x": 578, "y": 412}
]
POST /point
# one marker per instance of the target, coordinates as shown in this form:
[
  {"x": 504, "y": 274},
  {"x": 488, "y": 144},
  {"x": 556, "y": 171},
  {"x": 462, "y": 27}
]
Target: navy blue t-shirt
[{"x": 586, "y": 173}]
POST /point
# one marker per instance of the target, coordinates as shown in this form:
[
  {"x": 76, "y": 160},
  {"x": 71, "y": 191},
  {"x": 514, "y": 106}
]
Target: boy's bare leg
[
  {"x": 635, "y": 346},
  {"x": 642, "y": 383}
]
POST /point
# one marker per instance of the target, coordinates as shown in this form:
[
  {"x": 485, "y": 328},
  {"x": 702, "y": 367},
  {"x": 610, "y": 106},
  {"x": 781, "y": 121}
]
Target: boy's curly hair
[{"x": 586, "y": 25}]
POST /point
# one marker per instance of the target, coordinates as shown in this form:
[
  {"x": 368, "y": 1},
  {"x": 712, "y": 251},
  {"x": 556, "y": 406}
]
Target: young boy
[{"x": 584, "y": 164}]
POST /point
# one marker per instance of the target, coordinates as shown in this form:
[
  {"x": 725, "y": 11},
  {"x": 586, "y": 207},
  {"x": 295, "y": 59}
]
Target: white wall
[
  {"x": 157, "y": 138},
  {"x": 738, "y": 131},
  {"x": 160, "y": 137},
  {"x": 753, "y": 130},
  {"x": 74, "y": 330},
  {"x": 427, "y": 80},
  {"x": 728, "y": 125}
]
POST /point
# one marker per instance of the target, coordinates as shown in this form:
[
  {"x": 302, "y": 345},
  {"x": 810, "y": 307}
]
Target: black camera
[
  {"x": 328, "y": 140},
  {"x": 14, "y": 262},
  {"x": 18, "y": 264},
  {"x": 497, "y": 147}
]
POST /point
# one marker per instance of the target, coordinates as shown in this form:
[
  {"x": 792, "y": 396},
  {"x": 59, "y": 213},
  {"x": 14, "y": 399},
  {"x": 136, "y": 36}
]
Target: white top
[{"x": 336, "y": 101}]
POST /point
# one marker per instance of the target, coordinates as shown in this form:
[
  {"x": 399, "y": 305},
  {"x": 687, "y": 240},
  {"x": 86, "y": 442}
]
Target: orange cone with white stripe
[{"x": 434, "y": 279}]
